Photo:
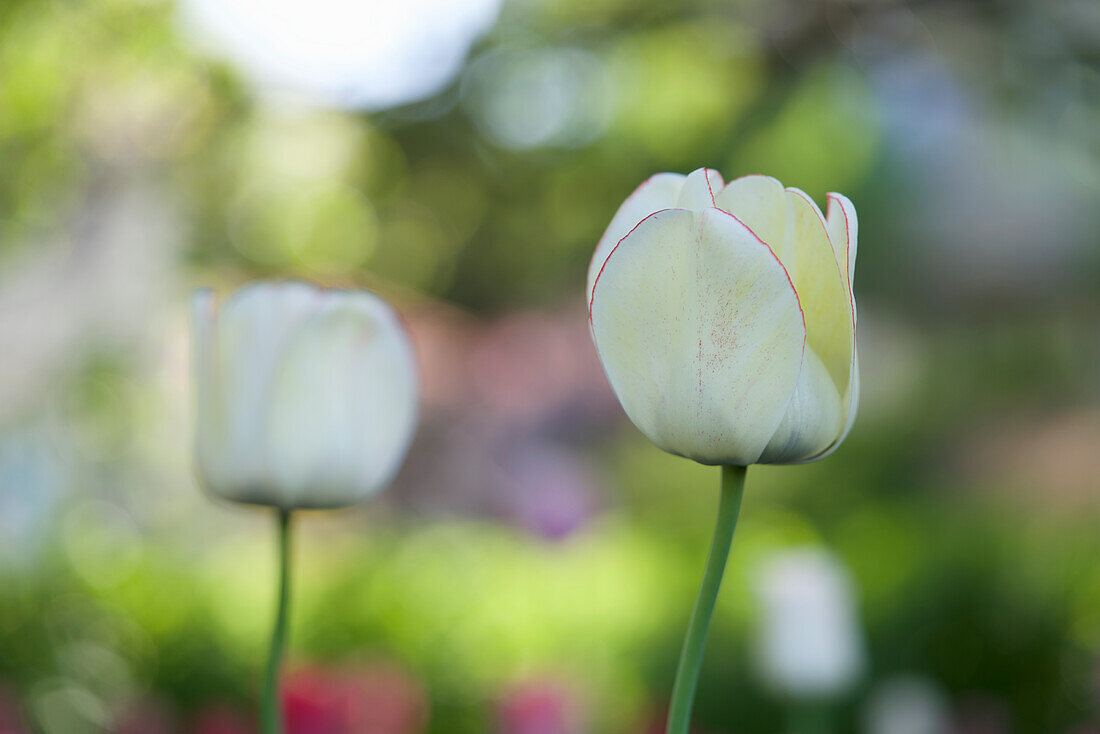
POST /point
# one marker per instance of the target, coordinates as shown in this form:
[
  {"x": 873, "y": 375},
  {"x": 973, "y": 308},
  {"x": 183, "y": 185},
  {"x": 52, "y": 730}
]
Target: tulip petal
[
  {"x": 344, "y": 404},
  {"x": 813, "y": 420},
  {"x": 659, "y": 192},
  {"x": 822, "y": 289},
  {"x": 761, "y": 203},
  {"x": 254, "y": 327},
  {"x": 843, "y": 227},
  {"x": 698, "y": 190},
  {"x": 853, "y": 403},
  {"x": 844, "y": 232},
  {"x": 851, "y": 408},
  {"x": 793, "y": 226},
  {"x": 700, "y": 333}
]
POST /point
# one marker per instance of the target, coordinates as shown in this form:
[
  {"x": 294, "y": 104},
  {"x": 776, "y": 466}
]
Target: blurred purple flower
[
  {"x": 546, "y": 490},
  {"x": 491, "y": 390}
]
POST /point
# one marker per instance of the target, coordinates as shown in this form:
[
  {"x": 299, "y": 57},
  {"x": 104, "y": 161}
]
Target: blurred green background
[{"x": 533, "y": 568}]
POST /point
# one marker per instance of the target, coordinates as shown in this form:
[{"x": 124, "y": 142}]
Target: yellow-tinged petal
[
  {"x": 822, "y": 289},
  {"x": 843, "y": 225},
  {"x": 793, "y": 226},
  {"x": 700, "y": 333}
]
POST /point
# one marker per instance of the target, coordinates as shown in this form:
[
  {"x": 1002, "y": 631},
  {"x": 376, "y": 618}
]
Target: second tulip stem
[
  {"x": 271, "y": 716},
  {"x": 691, "y": 657}
]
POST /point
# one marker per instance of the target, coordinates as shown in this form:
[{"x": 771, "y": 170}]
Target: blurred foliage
[{"x": 973, "y": 568}]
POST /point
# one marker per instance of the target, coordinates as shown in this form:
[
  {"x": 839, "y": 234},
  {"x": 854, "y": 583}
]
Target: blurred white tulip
[
  {"x": 725, "y": 320},
  {"x": 907, "y": 704},
  {"x": 306, "y": 397},
  {"x": 810, "y": 645}
]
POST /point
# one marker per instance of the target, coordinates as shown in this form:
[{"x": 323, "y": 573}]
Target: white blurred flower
[
  {"x": 906, "y": 704},
  {"x": 306, "y": 397},
  {"x": 724, "y": 317},
  {"x": 363, "y": 54},
  {"x": 810, "y": 644}
]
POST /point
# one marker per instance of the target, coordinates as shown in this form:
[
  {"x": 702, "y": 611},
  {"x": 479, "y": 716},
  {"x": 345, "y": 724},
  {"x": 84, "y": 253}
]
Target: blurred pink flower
[
  {"x": 534, "y": 362},
  {"x": 376, "y": 699},
  {"x": 519, "y": 367},
  {"x": 539, "y": 706}
]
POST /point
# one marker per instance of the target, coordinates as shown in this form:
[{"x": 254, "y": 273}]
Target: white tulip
[
  {"x": 907, "y": 704},
  {"x": 306, "y": 397},
  {"x": 725, "y": 320},
  {"x": 809, "y": 642}
]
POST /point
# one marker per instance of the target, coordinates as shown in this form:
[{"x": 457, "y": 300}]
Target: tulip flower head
[
  {"x": 306, "y": 397},
  {"x": 724, "y": 318}
]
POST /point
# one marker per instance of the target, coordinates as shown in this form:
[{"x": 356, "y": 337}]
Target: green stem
[
  {"x": 271, "y": 715},
  {"x": 691, "y": 657}
]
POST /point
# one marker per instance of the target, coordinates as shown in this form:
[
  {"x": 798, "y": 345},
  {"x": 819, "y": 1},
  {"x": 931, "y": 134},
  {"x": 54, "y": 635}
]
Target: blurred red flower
[{"x": 376, "y": 699}]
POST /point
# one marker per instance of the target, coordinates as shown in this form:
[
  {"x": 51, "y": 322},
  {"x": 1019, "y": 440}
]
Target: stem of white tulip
[
  {"x": 271, "y": 715},
  {"x": 691, "y": 657}
]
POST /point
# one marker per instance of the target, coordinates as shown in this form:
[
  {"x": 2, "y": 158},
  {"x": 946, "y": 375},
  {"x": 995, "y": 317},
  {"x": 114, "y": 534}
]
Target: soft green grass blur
[{"x": 534, "y": 535}]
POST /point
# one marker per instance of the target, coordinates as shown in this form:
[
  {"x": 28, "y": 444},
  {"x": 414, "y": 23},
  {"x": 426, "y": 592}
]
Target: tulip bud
[
  {"x": 810, "y": 644},
  {"x": 307, "y": 398},
  {"x": 724, "y": 318}
]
